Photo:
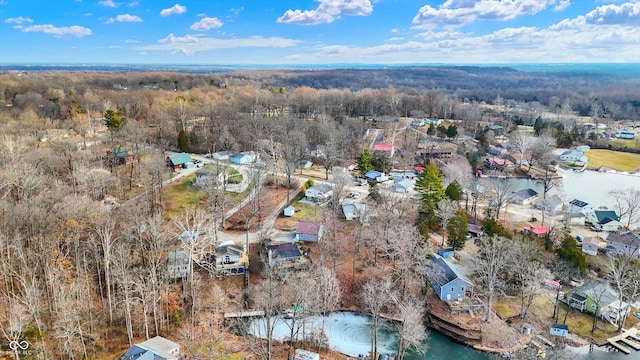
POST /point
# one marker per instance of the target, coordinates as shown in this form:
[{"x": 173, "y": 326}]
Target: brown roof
[
  {"x": 629, "y": 239},
  {"x": 308, "y": 228}
]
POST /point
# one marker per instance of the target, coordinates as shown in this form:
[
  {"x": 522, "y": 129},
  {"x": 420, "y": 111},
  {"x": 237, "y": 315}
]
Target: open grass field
[
  {"x": 621, "y": 143},
  {"x": 615, "y": 160},
  {"x": 581, "y": 324},
  {"x": 181, "y": 194}
]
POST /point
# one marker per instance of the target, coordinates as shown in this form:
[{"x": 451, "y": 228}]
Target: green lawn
[
  {"x": 180, "y": 194},
  {"x": 581, "y": 323},
  {"x": 615, "y": 160},
  {"x": 621, "y": 143}
]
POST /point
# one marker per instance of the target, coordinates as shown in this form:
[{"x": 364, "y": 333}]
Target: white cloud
[
  {"x": 77, "y": 31},
  {"x": 122, "y": 18},
  {"x": 395, "y": 31},
  {"x": 327, "y": 11},
  {"x": 18, "y": 20},
  {"x": 562, "y": 5},
  {"x": 627, "y": 13},
  {"x": 190, "y": 44},
  {"x": 395, "y": 39},
  {"x": 109, "y": 3},
  {"x": 461, "y": 12},
  {"x": 206, "y": 23},
  {"x": 174, "y": 10},
  {"x": 131, "y": 41}
]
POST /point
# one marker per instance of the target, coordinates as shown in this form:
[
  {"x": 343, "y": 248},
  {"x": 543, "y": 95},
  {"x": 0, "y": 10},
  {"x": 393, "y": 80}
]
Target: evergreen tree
[
  {"x": 452, "y": 131},
  {"x": 112, "y": 121},
  {"x": 453, "y": 191},
  {"x": 457, "y": 230},
  {"x": 365, "y": 161},
  {"x": 429, "y": 184},
  {"x": 569, "y": 252},
  {"x": 431, "y": 130},
  {"x": 491, "y": 227},
  {"x": 183, "y": 142}
]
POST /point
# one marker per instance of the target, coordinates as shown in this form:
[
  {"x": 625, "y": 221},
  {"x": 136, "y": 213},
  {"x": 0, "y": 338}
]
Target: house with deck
[
  {"x": 156, "y": 348},
  {"x": 537, "y": 230},
  {"x": 592, "y": 298},
  {"x": 286, "y": 256},
  {"x": 230, "y": 259},
  {"x": 447, "y": 281},
  {"x": 627, "y": 243},
  {"x": 178, "y": 264},
  {"x": 308, "y": 231},
  {"x": 574, "y": 156}
]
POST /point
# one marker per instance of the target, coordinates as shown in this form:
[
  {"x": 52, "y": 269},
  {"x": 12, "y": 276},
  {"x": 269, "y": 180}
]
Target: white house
[
  {"x": 574, "y": 156},
  {"x": 401, "y": 185},
  {"x": 552, "y": 204},
  {"x": 178, "y": 264},
  {"x": 577, "y": 206},
  {"x": 319, "y": 193},
  {"x": 590, "y": 245},
  {"x": 625, "y": 243},
  {"x": 246, "y": 157},
  {"x": 353, "y": 211},
  {"x": 606, "y": 220}
]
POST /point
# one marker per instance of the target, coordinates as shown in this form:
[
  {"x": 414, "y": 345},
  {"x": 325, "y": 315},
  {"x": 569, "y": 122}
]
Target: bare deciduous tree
[
  {"x": 375, "y": 296},
  {"x": 493, "y": 260},
  {"x": 627, "y": 204},
  {"x": 445, "y": 210}
]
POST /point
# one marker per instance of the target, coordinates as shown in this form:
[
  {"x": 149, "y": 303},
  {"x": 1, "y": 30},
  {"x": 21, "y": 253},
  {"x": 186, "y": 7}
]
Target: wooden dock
[
  {"x": 243, "y": 314},
  {"x": 545, "y": 341},
  {"x": 623, "y": 343}
]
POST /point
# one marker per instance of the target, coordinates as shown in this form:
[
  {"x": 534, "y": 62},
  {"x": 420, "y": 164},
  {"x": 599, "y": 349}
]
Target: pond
[{"x": 350, "y": 334}]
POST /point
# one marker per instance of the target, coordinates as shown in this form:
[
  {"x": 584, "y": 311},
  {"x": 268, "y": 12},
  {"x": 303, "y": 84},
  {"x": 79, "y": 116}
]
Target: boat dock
[{"x": 625, "y": 341}]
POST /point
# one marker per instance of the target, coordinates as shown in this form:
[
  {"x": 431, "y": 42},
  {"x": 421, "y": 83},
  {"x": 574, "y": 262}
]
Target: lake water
[{"x": 350, "y": 334}]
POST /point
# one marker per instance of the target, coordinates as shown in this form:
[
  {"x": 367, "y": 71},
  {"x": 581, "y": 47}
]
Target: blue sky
[{"x": 261, "y": 32}]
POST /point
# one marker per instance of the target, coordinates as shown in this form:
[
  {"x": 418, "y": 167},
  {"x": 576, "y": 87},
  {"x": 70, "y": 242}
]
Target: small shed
[
  {"x": 559, "y": 330},
  {"x": 289, "y": 210},
  {"x": 446, "y": 253}
]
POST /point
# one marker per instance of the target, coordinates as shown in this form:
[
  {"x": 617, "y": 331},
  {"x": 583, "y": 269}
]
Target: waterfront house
[
  {"x": 590, "y": 245},
  {"x": 230, "y": 259},
  {"x": 606, "y": 220},
  {"x": 447, "y": 281},
  {"x": 573, "y": 156},
  {"x": 319, "y": 193},
  {"x": 308, "y": 231},
  {"x": 590, "y": 298},
  {"x": 627, "y": 243},
  {"x": 578, "y": 206},
  {"x": 180, "y": 161},
  {"x": 156, "y": 348},
  {"x": 286, "y": 256},
  {"x": 553, "y": 204},
  {"x": 524, "y": 197}
]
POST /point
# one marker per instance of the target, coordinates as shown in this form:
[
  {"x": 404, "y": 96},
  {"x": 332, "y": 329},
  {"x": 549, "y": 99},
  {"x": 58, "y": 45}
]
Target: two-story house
[
  {"x": 624, "y": 244},
  {"x": 447, "y": 281}
]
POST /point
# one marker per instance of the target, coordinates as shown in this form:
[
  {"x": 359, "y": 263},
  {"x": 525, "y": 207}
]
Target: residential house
[
  {"x": 578, "y": 206},
  {"x": 552, "y": 204},
  {"x": 181, "y": 161},
  {"x": 627, "y": 243},
  {"x": 407, "y": 174},
  {"x": 124, "y": 157},
  {"x": 417, "y": 122},
  {"x": 627, "y": 135},
  {"x": 561, "y": 330},
  {"x": 577, "y": 219},
  {"x": 207, "y": 176},
  {"x": 574, "y": 156},
  {"x": 384, "y": 150},
  {"x": 354, "y": 211},
  {"x": 583, "y": 148},
  {"x": 401, "y": 185},
  {"x": 537, "y": 230},
  {"x": 606, "y": 220},
  {"x": 591, "y": 298},
  {"x": 497, "y": 150},
  {"x": 286, "y": 256},
  {"x": 243, "y": 158},
  {"x": 447, "y": 281},
  {"x": 231, "y": 259},
  {"x": 497, "y": 130},
  {"x": 308, "y": 231},
  {"x": 519, "y": 159},
  {"x": 178, "y": 264},
  {"x": 434, "y": 122},
  {"x": 377, "y": 176},
  {"x": 156, "y": 348},
  {"x": 524, "y": 197},
  {"x": 319, "y": 193},
  {"x": 221, "y": 156},
  {"x": 497, "y": 164},
  {"x": 590, "y": 245}
]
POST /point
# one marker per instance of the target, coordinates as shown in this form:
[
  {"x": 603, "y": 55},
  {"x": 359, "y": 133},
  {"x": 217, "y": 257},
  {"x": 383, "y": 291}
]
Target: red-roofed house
[
  {"x": 308, "y": 231},
  {"x": 386, "y": 149},
  {"x": 537, "y": 230}
]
